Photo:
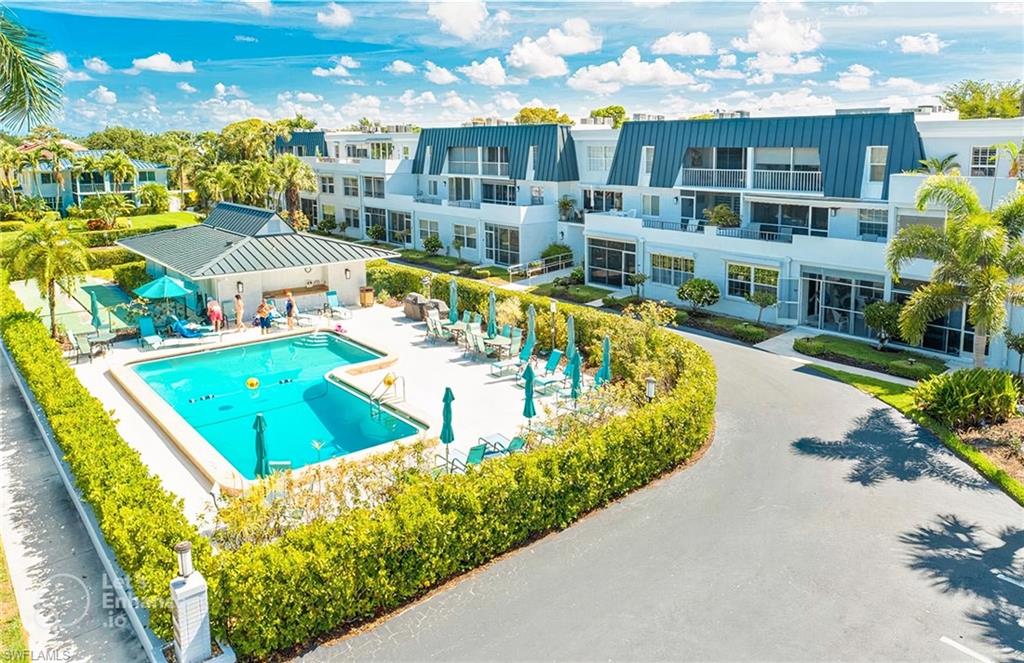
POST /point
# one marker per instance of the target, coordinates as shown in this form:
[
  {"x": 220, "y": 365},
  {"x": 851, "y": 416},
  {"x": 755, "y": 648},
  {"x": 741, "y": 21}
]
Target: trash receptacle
[{"x": 365, "y": 296}]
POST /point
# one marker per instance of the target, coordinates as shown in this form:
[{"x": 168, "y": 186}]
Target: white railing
[
  {"x": 474, "y": 204},
  {"x": 429, "y": 200},
  {"x": 716, "y": 177},
  {"x": 543, "y": 266},
  {"x": 788, "y": 180},
  {"x": 685, "y": 226},
  {"x": 91, "y": 188}
]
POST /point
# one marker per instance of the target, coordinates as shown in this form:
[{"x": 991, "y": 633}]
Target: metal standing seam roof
[
  {"x": 66, "y": 164},
  {"x": 842, "y": 142},
  {"x": 185, "y": 250},
  {"x": 556, "y": 152},
  {"x": 242, "y": 219},
  {"x": 312, "y": 143}
]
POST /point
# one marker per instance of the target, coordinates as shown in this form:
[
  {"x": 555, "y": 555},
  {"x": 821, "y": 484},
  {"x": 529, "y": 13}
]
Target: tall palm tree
[
  {"x": 50, "y": 254},
  {"x": 183, "y": 160},
  {"x": 256, "y": 179},
  {"x": 86, "y": 163},
  {"x": 58, "y": 153},
  {"x": 226, "y": 182},
  {"x": 977, "y": 262},
  {"x": 30, "y": 85},
  {"x": 939, "y": 166},
  {"x": 1012, "y": 151},
  {"x": 120, "y": 168},
  {"x": 31, "y": 161},
  {"x": 10, "y": 162},
  {"x": 293, "y": 175}
]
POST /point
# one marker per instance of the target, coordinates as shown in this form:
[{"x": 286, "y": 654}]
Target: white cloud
[
  {"x": 701, "y": 87},
  {"x": 721, "y": 72},
  {"x": 909, "y": 86},
  {"x": 359, "y": 105},
  {"x": 400, "y": 67},
  {"x": 772, "y": 32},
  {"x": 161, "y": 62},
  {"x": 259, "y": 6},
  {"x": 857, "y": 78},
  {"x": 779, "y": 103},
  {"x": 677, "y": 43},
  {"x": 469, "y": 21},
  {"x": 248, "y": 39},
  {"x": 103, "y": 95},
  {"x": 630, "y": 69},
  {"x": 727, "y": 60},
  {"x": 335, "y": 16},
  {"x": 851, "y": 11},
  {"x": 489, "y": 72},
  {"x": 926, "y": 43},
  {"x": 458, "y": 107},
  {"x": 541, "y": 57},
  {"x": 220, "y": 111},
  {"x": 308, "y": 97},
  {"x": 186, "y": 88},
  {"x": 342, "y": 65},
  {"x": 60, "y": 62},
  {"x": 439, "y": 75},
  {"x": 410, "y": 98},
  {"x": 764, "y": 67},
  {"x": 98, "y": 65},
  {"x": 1008, "y": 7},
  {"x": 222, "y": 90}
]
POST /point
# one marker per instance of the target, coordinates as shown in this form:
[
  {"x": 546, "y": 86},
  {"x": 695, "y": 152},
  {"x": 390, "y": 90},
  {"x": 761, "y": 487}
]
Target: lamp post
[
  {"x": 650, "y": 387},
  {"x": 553, "y": 307}
]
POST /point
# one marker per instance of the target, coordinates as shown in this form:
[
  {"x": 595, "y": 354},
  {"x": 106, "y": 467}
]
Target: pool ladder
[{"x": 380, "y": 393}]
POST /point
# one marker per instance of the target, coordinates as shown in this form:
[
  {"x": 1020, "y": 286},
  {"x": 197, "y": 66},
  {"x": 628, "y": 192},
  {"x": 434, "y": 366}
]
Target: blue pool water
[{"x": 208, "y": 389}]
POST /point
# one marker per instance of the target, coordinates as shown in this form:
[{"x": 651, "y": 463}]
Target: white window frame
[
  {"x": 599, "y": 157},
  {"x": 983, "y": 160},
  {"x": 650, "y": 204},
  {"x": 350, "y": 186},
  {"x": 427, "y": 228},
  {"x": 467, "y": 234},
  {"x": 333, "y": 215},
  {"x": 495, "y": 161},
  {"x": 671, "y": 270},
  {"x": 648, "y": 159},
  {"x": 327, "y": 184},
  {"x": 463, "y": 166},
  {"x": 753, "y": 285},
  {"x": 432, "y": 188},
  {"x": 869, "y": 223},
  {"x": 873, "y": 163},
  {"x": 370, "y": 189},
  {"x": 350, "y": 218}
]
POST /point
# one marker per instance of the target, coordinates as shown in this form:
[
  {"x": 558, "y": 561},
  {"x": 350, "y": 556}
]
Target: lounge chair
[
  {"x": 335, "y": 306},
  {"x": 550, "y": 371},
  {"x": 184, "y": 331},
  {"x": 474, "y": 457},
  {"x": 498, "y": 444},
  {"x": 515, "y": 362},
  {"x": 436, "y": 331},
  {"x": 81, "y": 346},
  {"x": 147, "y": 333}
]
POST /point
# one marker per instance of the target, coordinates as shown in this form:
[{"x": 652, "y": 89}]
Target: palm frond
[
  {"x": 1010, "y": 214},
  {"x": 927, "y": 303},
  {"x": 987, "y": 292},
  {"x": 916, "y": 241},
  {"x": 1013, "y": 260},
  {"x": 977, "y": 240},
  {"x": 951, "y": 192},
  {"x": 30, "y": 85}
]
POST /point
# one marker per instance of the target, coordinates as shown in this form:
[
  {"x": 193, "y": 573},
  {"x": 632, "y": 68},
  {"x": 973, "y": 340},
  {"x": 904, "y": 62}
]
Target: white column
[{"x": 190, "y": 610}]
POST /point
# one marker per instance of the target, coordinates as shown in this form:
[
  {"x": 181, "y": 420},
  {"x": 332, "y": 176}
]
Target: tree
[
  {"x": 1015, "y": 342},
  {"x": 636, "y": 281},
  {"x": 34, "y": 207},
  {"x": 50, "y": 254},
  {"x": 183, "y": 161},
  {"x": 31, "y": 160},
  {"x": 107, "y": 207},
  {"x": 120, "y": 167},
  {"x": 1013, "y": 153},
  {"x": 31, "y": 86},
  {"x": 136, "y": 143},
  {"x": 722, "y": 216},
  {"x": 702, "y": 116},
  {"x": 762, "y": 299},
  {"x": 432, "y": 244},
  {"x": 457, "y": 245},
  {"x": 976, "y": 263},
  {"x": 297, "y": 123},
  {"x": 10, "y": 162},
  {"x": 939, "y": 166},
  {"x": 86, "y": 164},
  {"x": 249, "y": 139},
  {"x": 979, "y": 99},
  {"x": 58, "y": 153},
  {"x": 154, "y": 198},
  {"x": 701, "y": 293},
  {"x": 540, "y": 115},
  {"x": 617, "y": 113},
  {"x": 254, "y": 181},
  {"x": 293, "y": 175},
  {"x": 884, "y": 318},
  {"x": 377, "y": 233}
]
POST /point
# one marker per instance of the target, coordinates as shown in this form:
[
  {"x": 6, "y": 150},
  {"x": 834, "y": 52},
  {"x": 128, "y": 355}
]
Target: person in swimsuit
[
  {"x": 290, "y": 309},
  {"x": 215, "y": 314},
  {"x": 239, "y": 313},
  {"x": 263, "y": 317}
]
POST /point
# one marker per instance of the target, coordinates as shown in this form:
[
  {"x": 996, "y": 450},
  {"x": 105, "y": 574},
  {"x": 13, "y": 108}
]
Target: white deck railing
[
  {"x": 788, "y": 180},
  {"x": 716, "y": 177}
]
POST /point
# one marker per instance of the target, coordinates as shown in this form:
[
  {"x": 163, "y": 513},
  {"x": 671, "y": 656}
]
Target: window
[
  {"x": 501, "y": 244},
  {"x": 597, "y": 200},
  {"x": 536, "y": 195},
  {"x": 460, "y": 188},
  {"x": 952, "y": 333},
  {"x": 350, "y": 186},
  {"x": 651, "y": 205},
  {"x": 147, "y": 176},
  {"x": 687, "y": 205},
  {"x": 379, "y": 150},
  {"x": 463, "y": 161},
  {"x": 399, "y": 228},
  {"x": 670, "y": 270},
  {"x": 309, "y": 209},
  {"x": 877, "y": 158},
  {"x": 354, "y": 151},
  {"x": 328, "y": 213},
  {"x": 373, "y": 187},
  {"x": 432, "y": 188},
  {"x": 609, "y": 261},
  {"x": 648, "y": 159},
  {"x": 46, "y": 178},
  {"x": 495, "y": 161},
  {"x": 428, "y": 228},
  {"x": 983, "y": 161},
  {"x": 465, "y": 234},
  {"x": 375, "y": 216},
  {"x": 730, "y": 158},
  {"x": 350, "y": 218},
  {"x": 337, "y": 150},
  {"x": 405, "y": 151},
  {"x": 599, "y": 157},
  {"x": 326, "y": 184},
  {"x": 498, "y": 193},
  {"x": 51, "y": 203},
  {"x": 873, "y": 222},
  {"x": 744, "y": 280}
]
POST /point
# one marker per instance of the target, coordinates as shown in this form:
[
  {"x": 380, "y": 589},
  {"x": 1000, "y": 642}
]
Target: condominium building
[{"x": 815, "y": 200}]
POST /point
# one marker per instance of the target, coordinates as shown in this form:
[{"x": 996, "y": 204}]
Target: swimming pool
[{"x": 209, "y": 391}]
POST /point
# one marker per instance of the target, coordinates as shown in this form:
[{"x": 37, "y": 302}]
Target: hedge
[
  {"x": 324, "y": 576},
  {"x": 93, "y": 238},
  {"x": 140, "y": 520},
  {"x": 8, "y": 226},
  {"x": 106, "y": 257},
  {"x": 131, "y": 275}
]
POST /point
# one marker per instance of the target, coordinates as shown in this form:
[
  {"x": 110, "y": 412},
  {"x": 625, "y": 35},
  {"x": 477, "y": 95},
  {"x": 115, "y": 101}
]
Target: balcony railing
[
  {"x": 754, "y": 233},
  {"x": 429, "y": 200},
  {"x": 678, "y": 226},
  {"x": 473, "y": 204},
  {"x": 788, "y": 180},
  {"x": 715, "y": 177}
]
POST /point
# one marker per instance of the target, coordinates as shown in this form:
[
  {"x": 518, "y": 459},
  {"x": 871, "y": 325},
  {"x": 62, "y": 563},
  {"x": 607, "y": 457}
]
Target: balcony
[
  {"x": 715, "y": 177},
  {"x": 788, "y": 180},
  {"x": 754, "y": 232},
  {"x": 666, "y": 224},
  {"x": 470, "y": 204},
  {"x": 92, "y": 188},
  {"x": 429, "y": 200}
]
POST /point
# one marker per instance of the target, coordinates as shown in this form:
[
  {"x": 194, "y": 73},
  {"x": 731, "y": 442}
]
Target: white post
[{"x": 190, "y": 610}]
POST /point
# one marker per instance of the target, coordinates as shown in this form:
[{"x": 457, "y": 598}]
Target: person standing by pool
[
  {"x": 290, "y": 309},
  {"x": 215, "y": 314},
  {"x": 239, "y": 313},
  {"x": 263, "y": 317}
]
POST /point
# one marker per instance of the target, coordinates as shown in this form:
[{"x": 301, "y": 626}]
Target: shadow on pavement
[
  {"x": 882, "y": 447},
  {"x": 960, "y": 557}
]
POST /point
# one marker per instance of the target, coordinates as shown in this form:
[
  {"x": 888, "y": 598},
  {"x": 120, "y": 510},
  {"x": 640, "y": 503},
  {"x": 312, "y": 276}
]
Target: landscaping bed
[
  {"x": 1002, "y": 443},
  {"x": 901, "y": 363},
  {"x": 578, "y": 294},
  {"x": 737, "y": 329}
]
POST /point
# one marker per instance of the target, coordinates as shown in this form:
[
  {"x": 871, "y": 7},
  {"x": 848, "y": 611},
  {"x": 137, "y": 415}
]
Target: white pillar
[{"x": 190, "y": 610}]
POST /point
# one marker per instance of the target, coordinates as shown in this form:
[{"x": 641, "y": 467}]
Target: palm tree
[
  {"x": 10, "y": 162},
  {"x": 1012, "y": 151},
  {"x": 939, "y": 166},
  {"x": 976, "y": 263},
  {"x": 50, "y": 254},
  {"x": 86, "y": 163},
  {"x": 293, "y": 175},
  {"x": 226, "y": 182},
  {"x": 183, "y": 160},
  {"x": 108, "y": 207},
  {"x": 255, "y": 179},
  {"x": 120, "y": 167},
  {"x": 58, "y": 152},
  {"x": 34, "y": 206},
  {"x": 30, "y": 85},
  {"x": 31, "y": 160}
]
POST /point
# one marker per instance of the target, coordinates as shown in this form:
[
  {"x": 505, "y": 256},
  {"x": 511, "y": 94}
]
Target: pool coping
[{"x": 209, "y": 462}]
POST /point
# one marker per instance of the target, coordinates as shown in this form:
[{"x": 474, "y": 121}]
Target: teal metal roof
[
  {"x": 556, "y": 152},
  {"x": 246, "y": 220},
  {"x": 842, "y": 142},
  {"x": 45, "y": 166},
  {"x": 184, "y": 252},
  {"x": 312, "y": 143}
]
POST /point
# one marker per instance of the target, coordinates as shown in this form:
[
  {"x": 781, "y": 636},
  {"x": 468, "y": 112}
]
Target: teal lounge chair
[
  {"x": 474, "y": 457},
  {"x": 550, "y": 375},
  {"x": 514, "y": 363},
  {"x": 147, "y": 333},
  {"x": 498, "y": 444},
  {"x": 335, "y": 306}
]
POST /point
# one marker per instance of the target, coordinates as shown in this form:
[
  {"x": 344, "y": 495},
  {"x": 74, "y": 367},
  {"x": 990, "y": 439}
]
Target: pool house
[{"x": 254, "y": 252}]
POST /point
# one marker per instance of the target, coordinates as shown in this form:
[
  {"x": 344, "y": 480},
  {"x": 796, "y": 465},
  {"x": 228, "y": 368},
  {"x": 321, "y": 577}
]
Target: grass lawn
[
  {"x": 437, "y": 261},
  {"x": 899, "y": 397},
  {"x": 734, "y": 328},
  {"x": 179, "y": 219},
  {"x": 578, "y": 294},
  {"x": 901, "y": 363},
  {"x": 13, "y": 644}
]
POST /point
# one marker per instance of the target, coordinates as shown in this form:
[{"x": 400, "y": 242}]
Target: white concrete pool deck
[{"x": 483, "y": 404}]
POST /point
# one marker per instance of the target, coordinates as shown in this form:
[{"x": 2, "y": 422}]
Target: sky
[{"x": 200, "y": 64}]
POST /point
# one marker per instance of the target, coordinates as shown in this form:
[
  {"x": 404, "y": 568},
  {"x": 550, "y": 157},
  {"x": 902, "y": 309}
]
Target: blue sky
[{"x": 199, "y": 64}]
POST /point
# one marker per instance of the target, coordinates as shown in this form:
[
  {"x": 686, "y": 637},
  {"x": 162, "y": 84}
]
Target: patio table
[
  {"x": 502, "y": 343},
  {"x": 102, "y": 340}
]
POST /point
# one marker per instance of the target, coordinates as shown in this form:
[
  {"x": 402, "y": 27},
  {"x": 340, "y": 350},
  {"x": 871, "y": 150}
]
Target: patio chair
[
  {"x": 477, "y": 319},
  {"x": 474, "y": 457},
  {"x": 551, "y": 376},
  {"x": 506, "y": 330},
  {"x": 81, "y": 346},
  {"x": 549, "y": 368},
  {"x": 147, "y": 333},
  {"x": 515, "y": 362},
  {"x": 336, "y": 307},
  {"x": 498, "y": 444},
  {"x": 481, "y": 347},
  {"x": 184, "y": 331}
]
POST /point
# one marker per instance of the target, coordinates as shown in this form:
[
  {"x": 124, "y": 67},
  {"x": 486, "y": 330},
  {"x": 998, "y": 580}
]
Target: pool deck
[{"x": 483, "y": 404}]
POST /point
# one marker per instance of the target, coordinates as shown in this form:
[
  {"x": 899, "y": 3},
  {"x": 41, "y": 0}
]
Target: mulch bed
[{"x": 1001, "y": 443}]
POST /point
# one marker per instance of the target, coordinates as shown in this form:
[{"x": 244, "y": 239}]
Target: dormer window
[
  {"x": 878, "y": 157},
  {"x": 648, "y": 159},
  {"x": 495, "y": 161}
]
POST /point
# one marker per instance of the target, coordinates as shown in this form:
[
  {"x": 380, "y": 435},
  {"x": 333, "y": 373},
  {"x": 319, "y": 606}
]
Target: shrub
[
  {"x": 108, "y": 237},
  {"x": 655, "y": 313},
  {"x": 153, "y": 199},
  {"x": 884, "y": 318},
  {"x": 762, "y": 299},
  {"x": 129, "y": 276},
  {"x": 104, "y": 257},
  {"x": 681, "y": 317},
  {"x": 555, "y": 249},
  {"x": 8, "y": 226},
  {"x": 432, "y": 244},
  {"x": 577, "y": 276},
  {"x": 701, "y": 293},
  {"x": 636, "y": 281},
  {"x": 376, "y": 233},
  {"x": 95, "y": 224},
  {"x": 723, "y": 216},
  {"x": 327, "y": 226},
  {"x": 968, "y": 397}
]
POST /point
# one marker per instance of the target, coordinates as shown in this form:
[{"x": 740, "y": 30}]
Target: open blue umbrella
[
  {"x": 453, "y": 302},
  {"x": 575, "y": 379},
  {"x": 570, "y": 338},
  {"x": 492, "y": 315},
  {"x": 604, "y": 374},
  {"x": 165, "y": 287},
  {"x": 94, "y": 306},
  {"x": 529, "y": 409},
  {"x": 262, "y": 458},
  {"x": 531, "y": 326},
  {"x": 447, "y": 432}
]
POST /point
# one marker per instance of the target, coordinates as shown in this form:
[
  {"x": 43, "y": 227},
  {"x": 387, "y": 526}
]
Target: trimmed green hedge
[
  {"x": 130, "y": 275},
  {"x": 8, "y": 226},
  {"x": 901, "y": 363},
  {"x": 140, "y": 520},
  {"x": 106, "y": 257},
  {"x": 92, "y": 238},
  {"x": 324, "y": 576}
]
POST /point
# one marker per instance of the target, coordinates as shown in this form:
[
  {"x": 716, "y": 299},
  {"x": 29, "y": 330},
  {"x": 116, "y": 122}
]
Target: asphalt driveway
[{"x": 820, "y": 525}]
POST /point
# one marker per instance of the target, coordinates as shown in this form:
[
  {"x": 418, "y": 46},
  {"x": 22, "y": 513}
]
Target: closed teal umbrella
[
  {"x": 529, "y": 409},
  {"x": 575, "y": 378},
  {"x": 531, "y": 324},
  {"x": 262, "y": 458},
  {"x": 570, "y": 338},
  {"x": 492, "y": 315},
  {"x": 447, "y": 433},
  {"x": 604, "y": 374},
  {"x": 453, "y": 302},
  {"x": 94, "y": 306}
]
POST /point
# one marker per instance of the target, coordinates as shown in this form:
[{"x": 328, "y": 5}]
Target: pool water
[{"x": 209, "y": 390}]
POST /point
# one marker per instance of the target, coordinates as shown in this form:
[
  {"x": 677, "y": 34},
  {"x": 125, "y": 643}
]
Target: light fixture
[
  {"x": 651, "y": 384},
  {"x": 561, "y": 234},
  {"x": 675, "y": 199},
  {"x": 309, "y": 269},
  {"x": 240, "y": 287},
  {"x": 184, "y": 552},
  {"x": 348, "y": 273},
  {"x": 832, "y": 211}
]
